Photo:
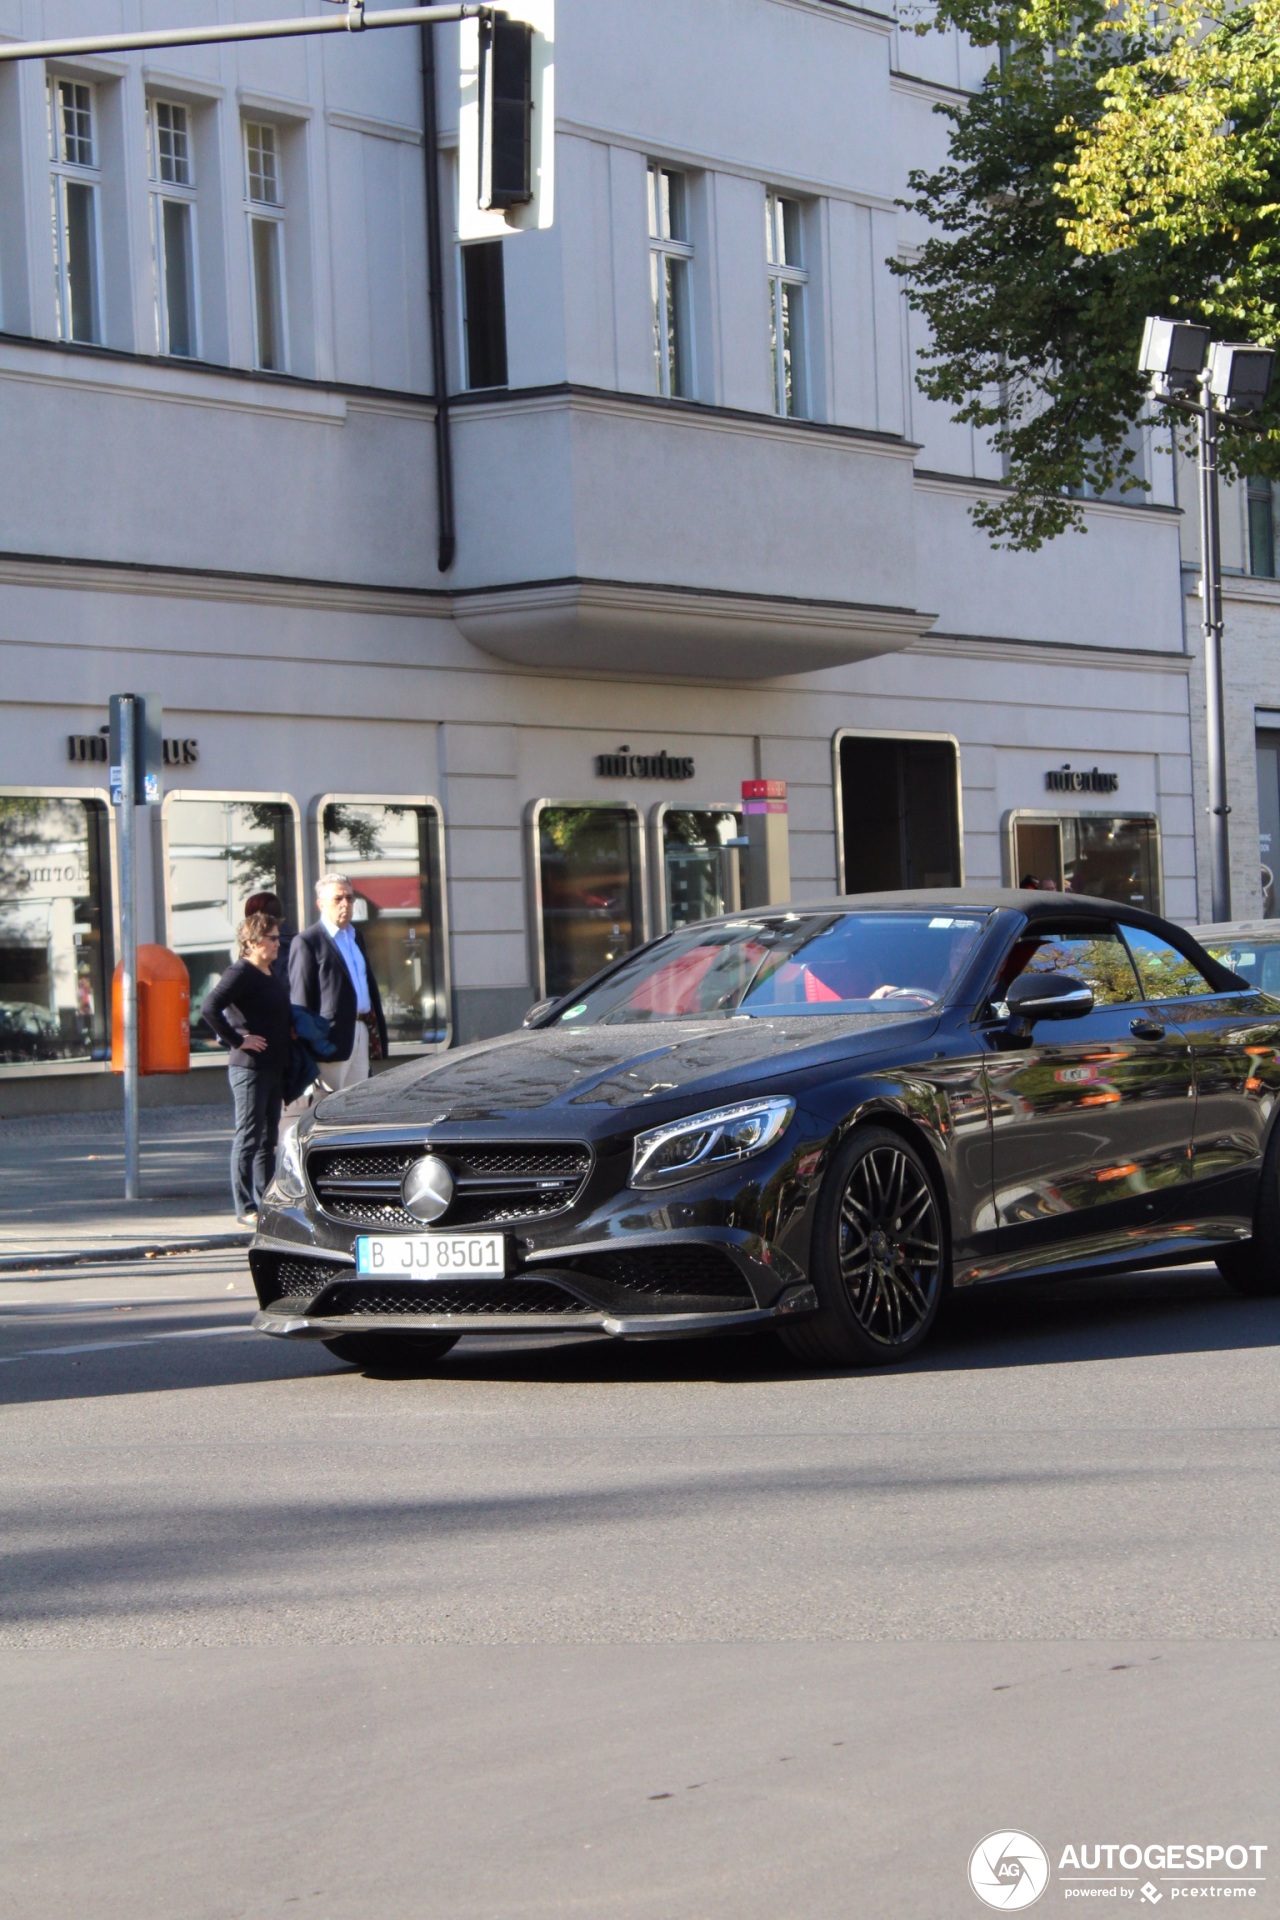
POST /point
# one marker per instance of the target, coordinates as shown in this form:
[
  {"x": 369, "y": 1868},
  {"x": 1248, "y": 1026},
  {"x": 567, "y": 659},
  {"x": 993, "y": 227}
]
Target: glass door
[
  {"x": 389, "y": 849},
  {"x": 700, "y": 863},
  {"x": 221, "y": 848},
  {"x": 590, "y": 885}
]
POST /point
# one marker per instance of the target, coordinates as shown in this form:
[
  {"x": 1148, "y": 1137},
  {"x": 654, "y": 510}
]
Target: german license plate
[{"x": 433, "y": 1256}]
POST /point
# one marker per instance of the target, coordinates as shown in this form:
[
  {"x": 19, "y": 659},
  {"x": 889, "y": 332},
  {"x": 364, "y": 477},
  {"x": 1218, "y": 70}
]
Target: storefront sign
[
  {"x": 1063, "y": 780},
  {"x": 764, "y": 796},
  {"x": 625, "y": 765},
  {"x": 83, "y": 748}
]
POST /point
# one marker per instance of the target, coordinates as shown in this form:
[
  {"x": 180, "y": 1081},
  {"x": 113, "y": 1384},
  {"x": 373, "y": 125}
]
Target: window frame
[
  {"x": 182, "y": 193},
  {"x": 87, "y": 174},
  {"x": 440, "y": 891},
  {"x": 664, "y": 251},
  {"x": 657, "y": 852},
  {"x": 533, "y": 875},
  {"x": 269, "y": 214},
  {"x": 110, "y": 925},
  {"x": 237, "y": 797},
  {"x": 1045, "y": 816},
  {"x": 842, "y": 734},
  {"x": 779, "y": 276}
]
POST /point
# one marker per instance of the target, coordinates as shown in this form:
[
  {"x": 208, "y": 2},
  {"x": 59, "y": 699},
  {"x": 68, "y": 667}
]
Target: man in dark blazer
[{"x": 329, "y": 974}]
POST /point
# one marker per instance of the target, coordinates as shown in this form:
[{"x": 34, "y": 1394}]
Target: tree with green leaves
[{"x": 1115, "y": 163}]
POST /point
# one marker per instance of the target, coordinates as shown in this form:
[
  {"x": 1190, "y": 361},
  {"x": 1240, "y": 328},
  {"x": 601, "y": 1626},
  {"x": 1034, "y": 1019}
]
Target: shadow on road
[{"x": 1023, "y": 1324}]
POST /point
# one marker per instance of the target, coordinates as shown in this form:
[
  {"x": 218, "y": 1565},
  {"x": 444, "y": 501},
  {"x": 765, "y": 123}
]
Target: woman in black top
[{"x": 249, "y": 1011}]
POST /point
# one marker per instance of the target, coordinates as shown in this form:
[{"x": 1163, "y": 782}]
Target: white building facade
[{"x": 706, "y": 529}]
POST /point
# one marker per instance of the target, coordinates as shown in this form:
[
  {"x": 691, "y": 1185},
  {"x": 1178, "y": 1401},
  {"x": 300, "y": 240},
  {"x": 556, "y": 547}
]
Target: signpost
[{"x": 137, "y": 724}]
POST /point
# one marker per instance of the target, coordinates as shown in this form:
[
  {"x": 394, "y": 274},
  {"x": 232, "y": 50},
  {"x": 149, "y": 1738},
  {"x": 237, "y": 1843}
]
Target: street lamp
[{"x": 1231, "y": 380}]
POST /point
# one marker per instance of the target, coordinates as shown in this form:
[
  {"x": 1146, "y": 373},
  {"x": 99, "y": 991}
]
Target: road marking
[{"x": 102, "y": 1346}]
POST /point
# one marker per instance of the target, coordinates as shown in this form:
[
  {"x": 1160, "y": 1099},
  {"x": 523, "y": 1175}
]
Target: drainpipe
[{"x": 445, "y": 525}]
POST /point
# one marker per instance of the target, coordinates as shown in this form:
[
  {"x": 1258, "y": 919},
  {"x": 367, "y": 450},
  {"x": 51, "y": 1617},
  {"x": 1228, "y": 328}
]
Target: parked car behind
[{"x": 1250, "y": 948}]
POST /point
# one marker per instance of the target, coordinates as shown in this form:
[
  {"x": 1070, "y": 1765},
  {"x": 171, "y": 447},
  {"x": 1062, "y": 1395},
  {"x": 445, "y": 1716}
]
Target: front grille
[
  {"x": 282, "y": 1277},
  {"x": 686, "y": 1272},
  {"x": 527, "y": 1297},
  {"x": 494, "y": 1184}
]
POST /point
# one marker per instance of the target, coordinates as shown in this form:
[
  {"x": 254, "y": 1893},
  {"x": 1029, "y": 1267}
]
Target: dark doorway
[{"x": 899, "y": 813}]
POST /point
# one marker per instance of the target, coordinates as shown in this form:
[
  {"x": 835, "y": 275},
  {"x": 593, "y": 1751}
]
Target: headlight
[
  {"x": 685, "y": 1148},
  {"x": 289, "y": 1182}
]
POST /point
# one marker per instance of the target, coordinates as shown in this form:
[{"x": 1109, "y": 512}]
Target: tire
[
  {"x": 390, "y": 1351},
  {"x": 881, "y": 1256},
  {"x": 1252, "y": 1267}
]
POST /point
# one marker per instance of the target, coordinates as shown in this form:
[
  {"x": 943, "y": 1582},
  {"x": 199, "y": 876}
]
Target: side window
[
  {"x": 1100, "y": 959},
  {"x": 1166, "y": 973}
]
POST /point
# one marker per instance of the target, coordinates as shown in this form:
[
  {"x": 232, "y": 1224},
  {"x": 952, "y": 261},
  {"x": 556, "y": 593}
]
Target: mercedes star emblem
[{"x": 427, "y": 1188}]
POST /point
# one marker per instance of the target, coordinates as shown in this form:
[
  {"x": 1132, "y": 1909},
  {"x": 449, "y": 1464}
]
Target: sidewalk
[{"x": 62, "y": 1177}]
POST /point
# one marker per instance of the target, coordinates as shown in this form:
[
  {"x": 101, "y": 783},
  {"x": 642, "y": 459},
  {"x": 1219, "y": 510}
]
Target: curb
[{"x": 26, "y": 1263}]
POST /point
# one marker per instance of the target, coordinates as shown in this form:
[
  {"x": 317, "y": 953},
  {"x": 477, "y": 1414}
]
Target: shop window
[
  {"x": 220, "y": 848},
  {"x": 1111, "y": 856},
  {"x": 700, "y": 862},
  {"x": 590, "y": 884},
  {"x": 390, "y": 850},
  {"x": 899, "y": 812},
  {"x": 1268, "y": 746},
  {"x": 55, "y": 925}
]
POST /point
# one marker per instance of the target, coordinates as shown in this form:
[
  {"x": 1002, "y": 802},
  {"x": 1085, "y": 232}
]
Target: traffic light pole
[
  {"x": 353, "y": 20},
  {"x": 129, "y": 936},
  {"x": 1211, "y": 622}
]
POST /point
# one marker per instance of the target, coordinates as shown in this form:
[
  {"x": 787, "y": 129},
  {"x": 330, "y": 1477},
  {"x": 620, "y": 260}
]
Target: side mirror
[
  {"x": 537, "y": 1010},
  {"x": 1049, "y": 996}
]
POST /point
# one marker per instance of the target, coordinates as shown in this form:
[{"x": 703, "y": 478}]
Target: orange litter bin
[{"x": 164, "y": 1013}]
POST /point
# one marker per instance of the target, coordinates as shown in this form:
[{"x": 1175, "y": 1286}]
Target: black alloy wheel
[
  {"x": 391, "y": 1352},
  {"x": 1252, "y": 1267},
  {"x": 880, "y": 1261}
]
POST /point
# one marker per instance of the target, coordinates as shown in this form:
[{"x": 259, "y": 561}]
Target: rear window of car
[{"x": 1166, "y": 974}]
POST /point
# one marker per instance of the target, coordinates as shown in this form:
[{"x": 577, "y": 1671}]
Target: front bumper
[
  {"x": 719, "y": 1254},
  {"x": 287, "y": 1325}
]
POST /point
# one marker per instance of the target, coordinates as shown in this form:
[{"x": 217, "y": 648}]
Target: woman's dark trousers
[{"x": 258, "y": 1097}]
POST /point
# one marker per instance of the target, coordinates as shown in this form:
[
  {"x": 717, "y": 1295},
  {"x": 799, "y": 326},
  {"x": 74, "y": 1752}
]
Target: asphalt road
[{"x": 662, "y": 1631}]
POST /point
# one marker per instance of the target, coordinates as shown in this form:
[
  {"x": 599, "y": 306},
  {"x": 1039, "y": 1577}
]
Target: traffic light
[
  {"x": 506, "y": 121},
  {"x": 506, "y": 112}
]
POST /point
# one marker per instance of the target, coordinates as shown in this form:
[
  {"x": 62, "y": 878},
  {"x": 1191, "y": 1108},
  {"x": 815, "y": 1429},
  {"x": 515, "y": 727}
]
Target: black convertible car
[{"x": 816, "y": 1118}]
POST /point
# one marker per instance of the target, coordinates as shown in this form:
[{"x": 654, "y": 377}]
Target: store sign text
[
  {"x": 95, "y": 747},
  {"x": 1063, "y": 780},
  {"x": 625, "y": 765}
]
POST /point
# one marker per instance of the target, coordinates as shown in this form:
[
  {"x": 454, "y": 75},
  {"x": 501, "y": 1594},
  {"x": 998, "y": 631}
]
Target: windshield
[
  {"x": 794, "y": 963},
  {"x": 1257, "y": 961}
]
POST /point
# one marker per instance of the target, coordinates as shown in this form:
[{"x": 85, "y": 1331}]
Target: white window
[
  {"x": 788, "y": 294},
  {"x": 265, "y": 195},
  {"x": 173, "y": 228},
  {"x": 670, "y": 265},
  {"x": 73, "y": 151}
]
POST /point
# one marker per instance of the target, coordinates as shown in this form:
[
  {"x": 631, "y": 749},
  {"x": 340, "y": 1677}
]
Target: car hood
[{"x": 567, "y": 1070}]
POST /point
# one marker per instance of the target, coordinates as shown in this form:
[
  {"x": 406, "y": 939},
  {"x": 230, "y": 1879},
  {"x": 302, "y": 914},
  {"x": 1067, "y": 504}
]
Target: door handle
[{"x": 1146, "y": 1030}]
